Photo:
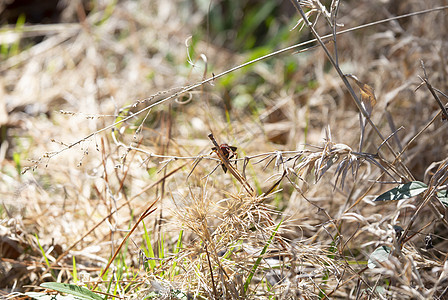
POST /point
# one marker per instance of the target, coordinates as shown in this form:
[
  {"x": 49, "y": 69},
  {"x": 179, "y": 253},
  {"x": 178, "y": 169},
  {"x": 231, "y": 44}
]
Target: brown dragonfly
[{"x": 228, "y": 151}]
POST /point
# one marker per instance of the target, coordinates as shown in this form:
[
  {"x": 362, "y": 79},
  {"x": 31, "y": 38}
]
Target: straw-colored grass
[{"x": 109, "y": 180}]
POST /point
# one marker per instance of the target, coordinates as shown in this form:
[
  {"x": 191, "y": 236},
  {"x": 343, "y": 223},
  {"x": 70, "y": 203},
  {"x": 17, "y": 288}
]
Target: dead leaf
[{"x": 367, "y": 94}]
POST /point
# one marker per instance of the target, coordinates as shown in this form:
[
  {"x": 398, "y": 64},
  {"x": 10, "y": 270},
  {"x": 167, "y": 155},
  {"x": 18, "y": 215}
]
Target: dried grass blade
[
  {"x": 146, "y": 213},
  {"x": 275, "y": 185}
]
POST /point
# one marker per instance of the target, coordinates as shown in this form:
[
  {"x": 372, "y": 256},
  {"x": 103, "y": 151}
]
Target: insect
[{"x": 228, "y": 151}]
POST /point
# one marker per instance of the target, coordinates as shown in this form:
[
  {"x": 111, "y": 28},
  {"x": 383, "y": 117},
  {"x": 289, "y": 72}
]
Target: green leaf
[
  {"x": 403, "y": 191},
  {"x": 379, "y": 255},
  {"x": 75, "y": 290},
  {"x": 443, "y": 197}
]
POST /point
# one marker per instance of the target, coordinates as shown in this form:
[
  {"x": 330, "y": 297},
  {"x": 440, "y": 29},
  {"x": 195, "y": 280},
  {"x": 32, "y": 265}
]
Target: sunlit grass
[{"x": 118, "y": 170}]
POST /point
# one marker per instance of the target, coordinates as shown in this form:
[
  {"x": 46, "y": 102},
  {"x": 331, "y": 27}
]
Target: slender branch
[
  {"x": 433, "y": 92},
  {"x": 347, "y": 84},
  {"x": 60, "y": 257},
  {"x": 212, "y": 78},
  {"x": 146, "y": 213}
]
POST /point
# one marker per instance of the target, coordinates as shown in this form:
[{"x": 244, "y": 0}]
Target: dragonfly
[{"x": 228, "y": 151}]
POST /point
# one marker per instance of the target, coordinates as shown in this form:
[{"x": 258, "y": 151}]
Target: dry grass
[{"x": 106, "y": 160}]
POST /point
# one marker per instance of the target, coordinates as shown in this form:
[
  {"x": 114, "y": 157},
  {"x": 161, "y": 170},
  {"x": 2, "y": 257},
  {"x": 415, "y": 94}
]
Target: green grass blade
[
  {"x": 47, "y": 262},
  {"x": 162, "y": 246},
  {"x": 109, "y": 285},
  {"x": 149, "y": 251},
  {"x": 75, "y": 272},
  {"x": 258, "y": 261},
  {"x": 14, "y": 49},
  {"x": 43, "y": 252},
  {"x": 179, "y": 242},
  {"x": 17, "y": 160},
  {"x": 176, "y": 250}
]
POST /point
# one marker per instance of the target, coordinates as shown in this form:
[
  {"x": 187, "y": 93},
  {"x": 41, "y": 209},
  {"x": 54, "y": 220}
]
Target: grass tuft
[{"x": 275, "y": 150}]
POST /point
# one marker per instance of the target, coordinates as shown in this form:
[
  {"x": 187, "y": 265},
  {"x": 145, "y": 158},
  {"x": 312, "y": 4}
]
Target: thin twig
[
  {"x": 146, "y": 213},
  {"x": 191, "y": 87},
  {"x": 60, "y": 257},
  {"x": 346, "y": 83},
  {"x": 433, "y": 93}
]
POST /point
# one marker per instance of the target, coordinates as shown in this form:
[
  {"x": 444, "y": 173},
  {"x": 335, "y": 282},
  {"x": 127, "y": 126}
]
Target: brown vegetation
[{"x": 109, "y": 181}]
